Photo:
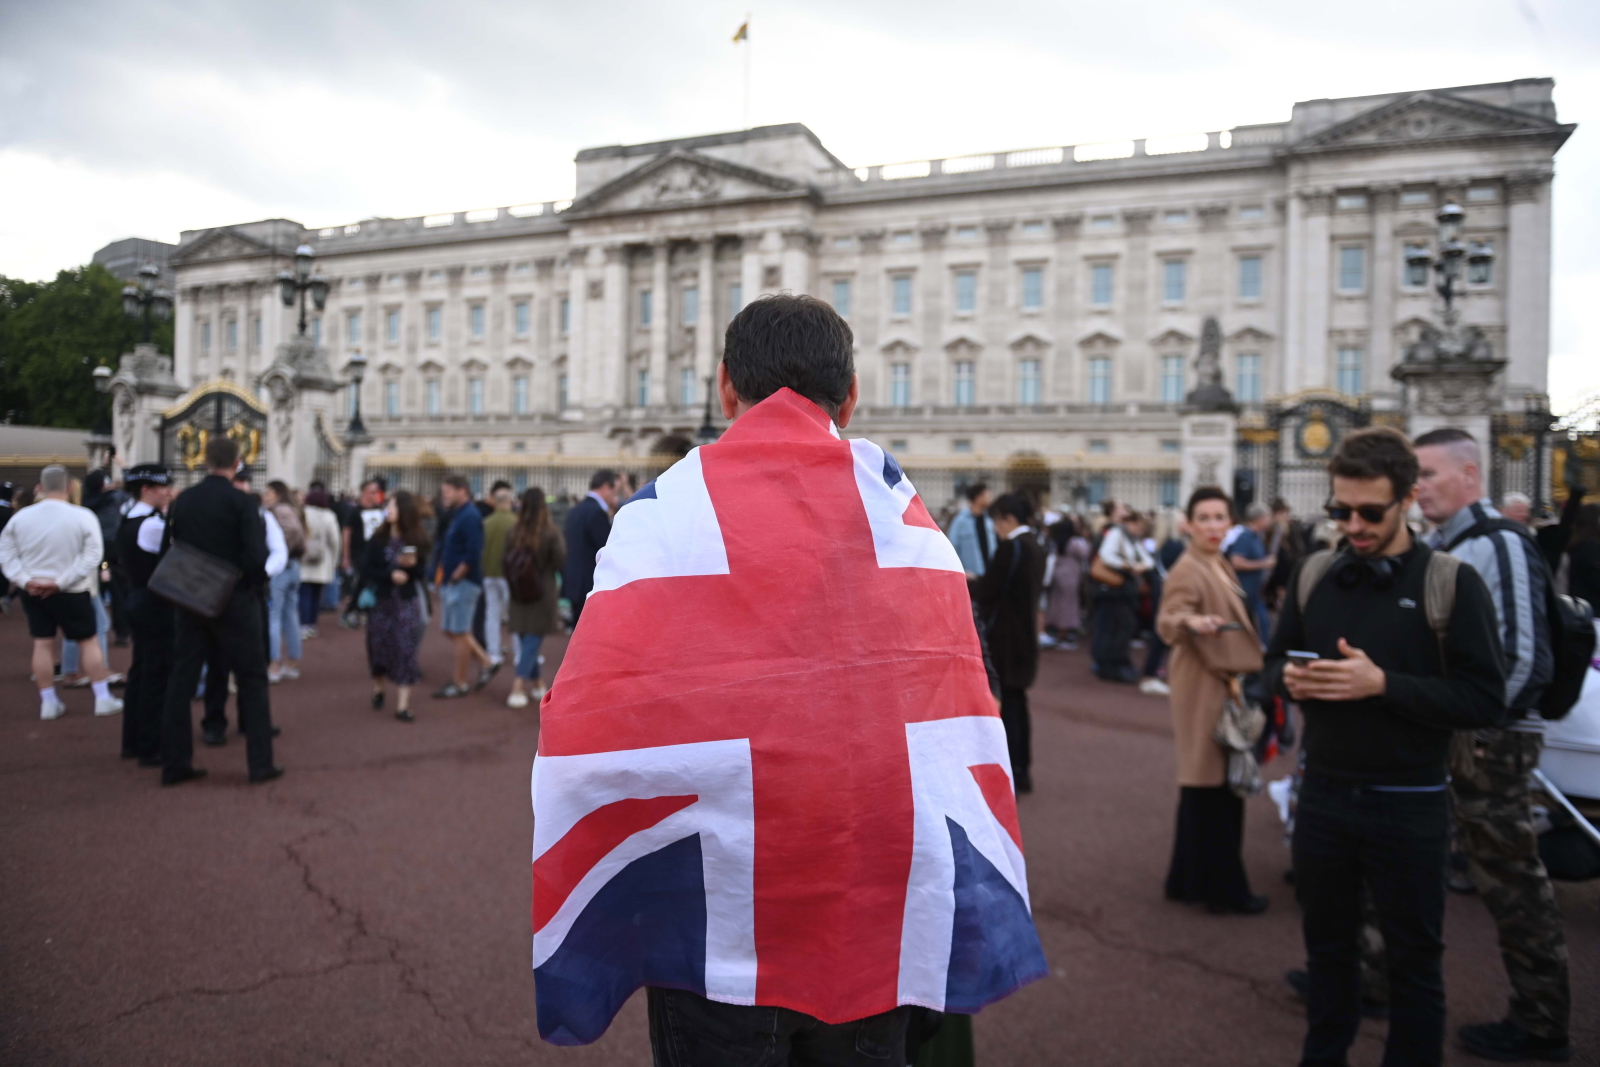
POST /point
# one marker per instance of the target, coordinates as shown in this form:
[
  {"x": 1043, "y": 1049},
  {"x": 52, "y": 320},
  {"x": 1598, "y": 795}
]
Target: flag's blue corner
[
  {"x": 994, "y": 946},
  {"x": 647, "y": 926}
]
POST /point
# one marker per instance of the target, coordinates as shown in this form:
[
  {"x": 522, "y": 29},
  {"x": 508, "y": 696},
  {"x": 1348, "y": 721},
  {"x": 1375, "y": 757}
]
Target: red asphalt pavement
[{"x": 372, "y": 906}]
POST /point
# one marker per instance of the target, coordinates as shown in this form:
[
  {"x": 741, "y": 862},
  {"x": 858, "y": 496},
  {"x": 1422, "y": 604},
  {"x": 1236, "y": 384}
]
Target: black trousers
[
  {"x": 150, "y": 623},
  {"x": 236, "y": 637},
  {"x": 1019, "y": 731},
  {"x": 1397, "y": 843},
  {"x": 687, "y": 1030},
  {"x": 1206, "y": 864},
  {"x": 1116, "y": 622},
  {"x": 121, "y": 621},
  {"x": 217, "y": 671}
]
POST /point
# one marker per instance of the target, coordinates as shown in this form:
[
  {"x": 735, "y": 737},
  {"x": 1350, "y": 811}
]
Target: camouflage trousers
[{"x": 1495, "y": 820}]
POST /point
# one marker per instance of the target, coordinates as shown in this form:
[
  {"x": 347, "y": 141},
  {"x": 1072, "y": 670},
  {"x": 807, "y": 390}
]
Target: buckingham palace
[{"x": 1036, "y": 309}]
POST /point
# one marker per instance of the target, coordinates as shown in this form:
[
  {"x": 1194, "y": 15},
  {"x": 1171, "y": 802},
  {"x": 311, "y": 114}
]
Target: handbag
[
  {"x": 194, "y": 580},
  {"x": 1105, "y": 574},
  {"x": 1237, "y": 731}
]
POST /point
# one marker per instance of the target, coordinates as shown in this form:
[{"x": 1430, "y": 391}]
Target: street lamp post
[
  {"x": 1447, "y": 263},
  {"x": 707, "y": 432},
  {"x": 356, "y": 431},
  {"x": 299, "y": 282},
  {"x": 145, "y": 301}
]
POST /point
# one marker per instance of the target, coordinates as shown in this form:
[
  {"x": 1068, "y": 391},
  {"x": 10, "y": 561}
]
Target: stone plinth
[
  {"x": 1462, "y": 392},
  {"x": 302, "y": 407},
  {"x": 1208, "y": 451},
  {"x": 142, "y": 388}
]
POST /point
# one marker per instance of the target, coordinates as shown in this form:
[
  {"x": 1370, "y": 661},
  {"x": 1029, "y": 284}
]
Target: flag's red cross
[{"x": 820, "y": 658}]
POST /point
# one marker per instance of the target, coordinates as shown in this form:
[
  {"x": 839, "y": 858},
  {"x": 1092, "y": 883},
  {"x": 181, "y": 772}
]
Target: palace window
[
  {"x": 1172, "y": 379},
  {"x": 352, "y": 332},
  {"x": 1416, "y": 198},
  {"x": 1252, "y": 212},
  {"x": 1352, "y": 201},
  {"x": 561, "y": 391},
  {"x": 1097, "y": 489},
  {"x": 1175, "y": 218},
  {"x": 841, "y": 296},
  {"x": 1167, "y": 487},
  {"x": 962, "y": 445},
  {"x": 900, "y": 385},
  {"x": 1352, "y": 269},
  {"x": 686, "y": 387},
  {"x": 475, "y": 321},
  {"x": 391, "y": 398},
  {"x": 316, "y": 333},
  {"x": 1029, "y": 389},
  {"x": 646, "y": 311},
  {"x": 1033, "y": 228},
  {"x": 1102, "y": 222},
  {"x": 1032, "y": 288},
  {"x": 641, "y": 389},
  {"x": 1100, "y": 279},
  {"x": 205, "y": 338},
  {"x": 691, "y": 306},
  {"x": 1249, "y": 277},
  {"x": 255, "y": 332},
  {"x": 966, "y": 294},
  {"x": 521, "y": 317},
  {"x": 435, "y": 324},
  {"x": 1100, "y": 380},
  {"x": 475, "y": 396},
  {"x": 965, "y": 384},
  {"x": 431, "y": 396},
  {"x": 1174, "y": 280},
  {"x": 1247, "y": 378},
  {"x": 1349, "y": 367},
  {"x": 735, "y": 300},
  {"x": 901, "y": 294},
  {"x": 519, "y": 394},
  {"x": 230, "y": 332},
  {"x": 391, "y": 326},
  {"x": 1099, "y": 446},
  {"x": 1482, "y": 193}
]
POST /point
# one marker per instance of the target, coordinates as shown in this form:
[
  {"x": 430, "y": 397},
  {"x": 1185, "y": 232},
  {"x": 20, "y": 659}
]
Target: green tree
[{"x": 52, "y": 336}]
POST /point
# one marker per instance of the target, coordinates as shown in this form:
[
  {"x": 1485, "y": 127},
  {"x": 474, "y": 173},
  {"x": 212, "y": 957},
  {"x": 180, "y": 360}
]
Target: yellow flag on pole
[{"x": 743, "y": 33}]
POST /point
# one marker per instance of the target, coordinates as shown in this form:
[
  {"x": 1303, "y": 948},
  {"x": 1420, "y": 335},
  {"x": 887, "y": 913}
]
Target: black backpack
[{"x": 1570, "y": 620}]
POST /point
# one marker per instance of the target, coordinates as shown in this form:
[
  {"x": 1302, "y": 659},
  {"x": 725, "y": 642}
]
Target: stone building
[{"x": 1035, "y": 310}]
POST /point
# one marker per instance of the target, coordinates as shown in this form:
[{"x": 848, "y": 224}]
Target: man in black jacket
[
  {"x": 1007, "y": 598},
  {"x": 1381, "y": 701},
  {"x": 218, "y": 519},
  {"x": 588, "y": 527}
]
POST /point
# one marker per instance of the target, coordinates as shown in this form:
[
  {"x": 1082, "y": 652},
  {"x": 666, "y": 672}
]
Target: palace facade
[{"x": 1045, "y": 303}]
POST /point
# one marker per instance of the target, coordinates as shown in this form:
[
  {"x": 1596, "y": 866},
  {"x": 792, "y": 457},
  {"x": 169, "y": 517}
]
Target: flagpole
[{"x": 746, "y": 44}]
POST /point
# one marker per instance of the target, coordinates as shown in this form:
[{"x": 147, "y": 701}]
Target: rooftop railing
[{"x": 478, "y": 218}]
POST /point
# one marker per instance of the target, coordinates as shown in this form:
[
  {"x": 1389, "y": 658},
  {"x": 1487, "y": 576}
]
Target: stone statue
[{"x": 1209, "y": 394}]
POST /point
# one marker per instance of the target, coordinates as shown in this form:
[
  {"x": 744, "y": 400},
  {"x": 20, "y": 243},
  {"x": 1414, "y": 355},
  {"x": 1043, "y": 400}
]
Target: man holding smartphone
[{"x": 1381, "y": 700}]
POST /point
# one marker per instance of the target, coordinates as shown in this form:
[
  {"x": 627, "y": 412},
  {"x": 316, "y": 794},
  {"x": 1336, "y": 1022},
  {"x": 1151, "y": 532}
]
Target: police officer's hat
[
  {"x": 146, "y": 474},
  {"x": 7, "y": 490}
]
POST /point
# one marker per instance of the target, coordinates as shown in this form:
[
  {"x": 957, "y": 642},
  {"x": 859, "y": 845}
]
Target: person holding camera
[{"x": 392, "y": 571}]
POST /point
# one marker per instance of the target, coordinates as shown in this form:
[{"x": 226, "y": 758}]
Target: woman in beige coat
[{"x": 1206, "y": 621}]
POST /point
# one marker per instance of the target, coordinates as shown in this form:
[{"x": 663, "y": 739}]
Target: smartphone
[
  {"x": 1230, "y": 626},
  {"x": 1300, "y": 659},
  {"x": 408, "y": 550}
]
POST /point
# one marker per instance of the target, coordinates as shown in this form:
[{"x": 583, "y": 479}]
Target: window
[
  {"x": 1175, "y": 218},
  {"x": 1349, "y": 369},
  {"x": 316, "y": 333},
  {"x": 1481, "y": 271},
  {"x": 1351, "y": 201},
  {"x": 475, "y": 396},
  {"x": 691, "y": 306},
  {"x": 646, "y": 299},
  {"x": 1247, "y": 378},
  {"x": 841, "y": 296},
  {"x": 391, "y": 398},
  {"x": 1032, "y": 288},
  {"x": 519, "y": 394},
  {"x": 1100, "y": 380},
  {"x": 255, "y": 332},
  {"x": 391, "y": 326},
  {"x": 966, "y": 294},
  {"x": 735, "y": 299},
  {"x": 1167, "y": 486},
  {"x": 900, "y": 385},
  {"x": 230, "y": 334},
  {"x": 431, "y": 396},
  {"x": 561, "y": 391},
  {"x": 1033, "y": 228},
  {"x": 566, "y": 316},
  {"x": 1028, "y": 385},
  {"x": 1416, "y": 198},
  {"x": 1171, "y": 444},
  {"x": 1352, "y": 269},
  {"x": 686, "y": 387},
  {"x": 961, "y": 444},
  {"x": 1416, "y": 274},
  {"x": 966, "y": 233},
  {"x": 477, "y": 272},
  {"x": 902, "y": 294},
  {"x": 477, "y": 481},
  {"x": 899, "y": 444},
  {"x": 1249, "y": 277},
  {"x": 205, "y": 338},
  {"x": 1174, "y": 280},
  {"x": 435, "y": 275},
  {"x": 475, "y": 321},
  {"x": 521, "y": 268},
  {"x": 1172, "y": 379},
  {"x": 1100, "y": 285},
  {"x": 904, "y": 237},
  {"x": 1102, "y": 222},
  {"x": 521, "y": 317},
  {"x": 1251, "y": 212},
  {"x": 641, "y": 388},
  {"x": 352, "y": 333},
  {"x": 965, "y": 386},
  {"x": 1482, "y": 193},
  {"x": 842, "y": 242},
  {"x": 1099, "y": 446},
  {"x": 435, "y": 321}
]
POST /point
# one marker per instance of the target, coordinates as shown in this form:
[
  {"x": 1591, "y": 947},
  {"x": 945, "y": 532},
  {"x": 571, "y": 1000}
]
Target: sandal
[{"x": 404, "y": 715}]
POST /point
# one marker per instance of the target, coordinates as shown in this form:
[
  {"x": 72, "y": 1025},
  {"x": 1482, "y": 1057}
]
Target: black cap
[
  {"x": 146, "y": 474},
  {"x": 6, "y": 489}
]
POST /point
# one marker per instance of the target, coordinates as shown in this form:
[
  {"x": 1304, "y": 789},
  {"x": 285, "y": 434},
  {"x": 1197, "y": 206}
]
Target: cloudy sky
[{"x": 147, "y": 117}]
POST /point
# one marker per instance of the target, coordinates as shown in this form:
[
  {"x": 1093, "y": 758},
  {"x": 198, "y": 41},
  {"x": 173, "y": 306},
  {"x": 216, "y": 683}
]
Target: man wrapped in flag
[{"x": 772, "y": 785}]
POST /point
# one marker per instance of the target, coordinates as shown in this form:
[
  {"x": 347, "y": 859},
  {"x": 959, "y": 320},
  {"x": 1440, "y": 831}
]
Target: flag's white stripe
[
  {"x": 673, "y": 535},
  {"x": 897, "y": 544}
]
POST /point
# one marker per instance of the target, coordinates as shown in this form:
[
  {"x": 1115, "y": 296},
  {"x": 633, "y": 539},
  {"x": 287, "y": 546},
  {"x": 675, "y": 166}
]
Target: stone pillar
[
  {"x": 577, "y": 326},
  {"x": 705, "y": 329},
  {"x": 1132, "y": 371},
  {"x": 1064, "y": 304},
  {"x": 1208, "y": 451},
  {"x": 143, "y": 387},
  {"x": 301, "y": 392},
  {"x": 1525, "y": 270},
  {"x": 660, "y": 313},
  {"x": 749, "y": 270},
  {"x": 1310, "y": 359},
  {"x": 797, "y": 260},
  {"x": 1382, "y": 285},
  {"x": 612, "y": 366}
]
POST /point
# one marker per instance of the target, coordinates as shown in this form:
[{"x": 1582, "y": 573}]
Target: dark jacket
[
  {"x": 376, "y": 570},
  {"x": 1403, "y": 736},
  {"x": 463, "y": 543},
  {"x": 1008, "y": 600},
  {"x": 215, "y": 517},
  {"x": 588, "y": 527},
  {"x": 107, "y": 508}
]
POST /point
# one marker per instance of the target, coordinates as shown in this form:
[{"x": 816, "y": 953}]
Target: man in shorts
[
  {"x": 51, "y": 551},
  {"x": 461, "y": 570}
]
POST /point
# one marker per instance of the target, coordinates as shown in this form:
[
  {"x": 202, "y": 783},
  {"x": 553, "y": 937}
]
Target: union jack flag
[{"x": 770, "y": 769}]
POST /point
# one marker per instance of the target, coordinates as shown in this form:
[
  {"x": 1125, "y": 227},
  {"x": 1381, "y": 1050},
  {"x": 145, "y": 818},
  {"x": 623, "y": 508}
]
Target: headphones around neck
[{"x": 1351, "y": 570}]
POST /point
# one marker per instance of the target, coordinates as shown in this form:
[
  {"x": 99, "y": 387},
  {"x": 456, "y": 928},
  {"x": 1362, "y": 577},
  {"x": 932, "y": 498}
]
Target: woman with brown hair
[
  {"x": 535, "y": 554},
  {"x": 392, "y": 571},
  {"x": 1212, "y": 632}
]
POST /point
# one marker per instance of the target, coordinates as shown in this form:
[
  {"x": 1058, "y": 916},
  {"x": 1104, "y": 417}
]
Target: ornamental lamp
[
  {"x": 357, "y": 367},
  {"x": 319, "y": 290},
  {"x": 302, "y": 260},
  {"x": 1482, "y": 255},
  {"x": 161, "y": 305},
  {"x": 286, "y": 287},
  {"x": 130, "y": 301},
  {"x": 1419, "y": 257},
  {"x": 1450, "y": 217},
  {"x": 149, "y": 272},
  {"x": 102, "y": 378}
]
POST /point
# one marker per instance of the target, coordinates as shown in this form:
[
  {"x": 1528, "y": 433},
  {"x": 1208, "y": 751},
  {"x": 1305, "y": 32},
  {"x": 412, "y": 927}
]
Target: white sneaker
[
  {"x": 52, "y": 710},
  {"x": 517, "y": 700},
  {"x": 1155, "y": 687},
  {"x": 1047, "y": 641},
  {"x": 107, "y": 705},
  {"x": 291, "y": 673},
  {"x": 273, "y": 678}
]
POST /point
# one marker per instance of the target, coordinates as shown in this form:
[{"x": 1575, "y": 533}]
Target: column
[
  {"x": 185, "y": 303},
  {"x": 577, "y": 324},
  {"x": 749, "y": 269},
  {"x": 797, "y": 260},
  {"x": 1066, "y": 296},
  {"x": 546, "y": 326},
  {"x": 1525, "y": 272},
  {"x": 1132, "y": 371},
  {"x": 660, "y": 312},
  {"x": 705, "y": 329},
  {"x": 611, "y": 367},
  {"x": 1315, "y": 291},
  {"x": 1381, "y": 288}
]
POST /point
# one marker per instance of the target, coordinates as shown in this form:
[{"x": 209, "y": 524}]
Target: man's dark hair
[
  {"x": 458, "y": 481},
  {"x": 975, "y": 490},
  {"x": 1279, "y": 504},
  {"x": 1444, "y": 435},
  {"x": 314, "y": 486},
  {"x": 1204, "y": 493},
  {"x": 499, "y": 484},
  {"x": 1376, "y": 452},
  {"x": 1107, "y": 507},
  {"x": 794, "y": 341},
  {"x": 378, "y": 480},
  {"x": 1014, "y": 504},
  {"x": 221, "y": 452},
  {"x": 603, "y": 477}
]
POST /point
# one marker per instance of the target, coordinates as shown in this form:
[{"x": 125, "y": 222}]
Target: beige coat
[{"x": 1199, "y": 662}]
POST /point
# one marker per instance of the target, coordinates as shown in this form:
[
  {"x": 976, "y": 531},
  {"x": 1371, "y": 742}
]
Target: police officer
[{"x": 149, "y": 616}]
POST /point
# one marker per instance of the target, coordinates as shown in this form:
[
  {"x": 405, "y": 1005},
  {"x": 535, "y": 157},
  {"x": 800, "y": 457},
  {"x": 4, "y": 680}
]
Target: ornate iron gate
[
  {"x": 1284, "y": 454},
  {"x": 218, "y": 408},
  {"x": 1519, "y": 456},
  {"x": 333, "y": 466}
]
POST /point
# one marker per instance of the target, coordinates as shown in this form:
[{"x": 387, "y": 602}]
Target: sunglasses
[{"x": 1371, "y": 514}]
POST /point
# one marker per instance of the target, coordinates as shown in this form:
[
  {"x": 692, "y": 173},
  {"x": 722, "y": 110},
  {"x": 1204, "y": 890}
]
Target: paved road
[{"x": 371, "y": 907}]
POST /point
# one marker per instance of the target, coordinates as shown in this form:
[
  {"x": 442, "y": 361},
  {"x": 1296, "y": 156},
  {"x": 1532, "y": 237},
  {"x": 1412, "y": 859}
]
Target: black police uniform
[{"x": 150, "y": 621}]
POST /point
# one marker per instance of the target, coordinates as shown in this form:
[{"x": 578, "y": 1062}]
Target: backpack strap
[
  {"x": 1312, "y": 571},
  {"x": 1439, "y": 593}
]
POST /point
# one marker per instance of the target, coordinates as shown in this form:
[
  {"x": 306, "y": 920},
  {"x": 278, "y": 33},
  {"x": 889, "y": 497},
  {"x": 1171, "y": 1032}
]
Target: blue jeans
[
  {"x": 457, "y": 602},
  {"x": 69, "y": 649},
  {"x": 528, "y": 656},
  {"x": 283, "y": 613}
]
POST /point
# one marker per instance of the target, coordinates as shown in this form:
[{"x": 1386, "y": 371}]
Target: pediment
[
  {"x": 899, "y": 346},
  {"x": 474, "y": 365},
  {"x": 1172, "y": 339},
  {"x": 430, "y": 366},
  {"x": 683, "y": 178},
  {"x": 224, "y": 242},
  {"x": 962, "y": 340},
  {"x": 1421, "y": 118},
  {"x": 1249, "y": 336},
  {"x": 519, "y": 363},
  {"x": 1099, "y": 339},
  {"x": 389, "y": 368},
  {"x": 1028, "y": 342}
]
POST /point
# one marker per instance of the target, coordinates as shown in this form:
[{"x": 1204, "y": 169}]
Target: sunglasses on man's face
[{"x": 1371, "y": 514}]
